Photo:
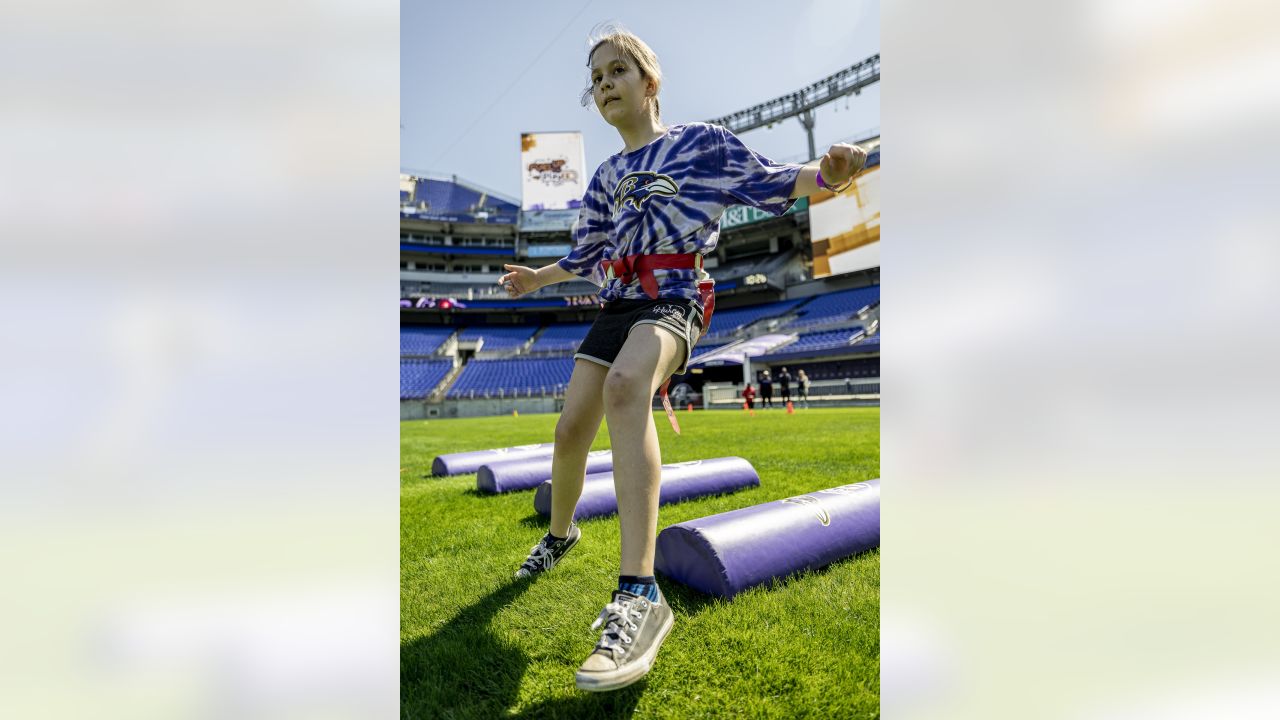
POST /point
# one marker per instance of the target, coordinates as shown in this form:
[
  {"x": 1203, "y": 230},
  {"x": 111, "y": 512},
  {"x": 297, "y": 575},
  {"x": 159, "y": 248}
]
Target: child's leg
[
  {"x": 575, "y": 431},
  {"x": 649, "y": 356}
]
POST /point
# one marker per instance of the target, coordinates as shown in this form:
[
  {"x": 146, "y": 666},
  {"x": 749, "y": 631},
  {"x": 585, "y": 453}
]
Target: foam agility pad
[
  {"x": 727, "y": 553},
  {"x": 527, "y": 474},
  {"x": 469, "y": 462},
  {"x": 680, "y": 481}
]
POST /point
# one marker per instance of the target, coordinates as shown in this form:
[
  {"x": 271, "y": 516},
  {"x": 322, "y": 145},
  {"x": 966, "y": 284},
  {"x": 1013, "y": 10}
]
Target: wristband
[{"x": 823, "y": 184}]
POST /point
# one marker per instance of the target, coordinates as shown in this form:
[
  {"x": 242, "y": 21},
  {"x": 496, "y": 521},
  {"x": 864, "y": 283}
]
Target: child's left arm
[{"x": 840, "y": 163}]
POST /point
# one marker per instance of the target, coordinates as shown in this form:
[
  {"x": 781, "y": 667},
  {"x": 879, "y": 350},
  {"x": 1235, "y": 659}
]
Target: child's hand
[
  {"x": 841, "y": 162},
  {"x": 519, "y": 281}
]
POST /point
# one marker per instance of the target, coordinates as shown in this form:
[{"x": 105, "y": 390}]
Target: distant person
[
  {"x": 784, "y": 384},
  {"x": 749, "y": 394},
  {"x": 650, "y": 213},
  {"x": 766, "y": 390},
  {"x": 803, "y": 382}
]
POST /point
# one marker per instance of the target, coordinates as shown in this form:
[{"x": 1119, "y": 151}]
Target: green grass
[{"x": 475, "y": 643}]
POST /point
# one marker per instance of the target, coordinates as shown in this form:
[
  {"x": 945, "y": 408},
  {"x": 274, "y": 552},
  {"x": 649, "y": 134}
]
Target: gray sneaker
[
  {"x": 634, "y": 629},
  {"x": 545, "y": 555}
]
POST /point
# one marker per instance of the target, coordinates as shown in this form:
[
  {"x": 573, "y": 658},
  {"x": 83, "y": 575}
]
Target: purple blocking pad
[
  {"x": 469, "y": 462},
  {"x": 727, "y": 553},
  {"x": 680, "y": 481},
  {"x": 509, "y": 475}
]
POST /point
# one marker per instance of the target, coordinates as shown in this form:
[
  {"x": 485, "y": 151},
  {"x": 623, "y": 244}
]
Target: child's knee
[
  {"x": 622, "y": 388},
  {"x": 572, "y": 430}
]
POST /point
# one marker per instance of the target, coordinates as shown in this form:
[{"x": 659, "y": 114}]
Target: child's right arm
[
  {"x": 521, "y": 280},
  {"x": 590, "y": 234}
]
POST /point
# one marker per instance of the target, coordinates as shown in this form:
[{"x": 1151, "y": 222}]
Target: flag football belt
[{"x": 628, "y": 268}]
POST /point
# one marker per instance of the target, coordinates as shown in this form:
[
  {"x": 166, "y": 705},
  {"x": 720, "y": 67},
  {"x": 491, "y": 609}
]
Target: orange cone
[
  {"x": 690, "y": 408},
  {"x": 791, "y": 409}
]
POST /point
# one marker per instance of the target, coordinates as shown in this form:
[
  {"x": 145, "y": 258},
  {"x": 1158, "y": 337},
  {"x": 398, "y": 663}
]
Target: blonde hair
[{"x": 628, "y": 45}]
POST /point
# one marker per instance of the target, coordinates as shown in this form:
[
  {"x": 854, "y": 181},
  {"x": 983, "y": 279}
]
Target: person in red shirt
[{"x": 749, "y": 394}]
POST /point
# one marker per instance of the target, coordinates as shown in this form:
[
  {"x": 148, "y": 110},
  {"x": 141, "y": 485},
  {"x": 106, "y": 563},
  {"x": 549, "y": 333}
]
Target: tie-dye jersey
[{"x": 667, "y": 197}]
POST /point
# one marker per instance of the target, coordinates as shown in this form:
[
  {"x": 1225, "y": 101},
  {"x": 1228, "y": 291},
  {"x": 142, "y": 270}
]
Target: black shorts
[{"x": 682, "y": 318}]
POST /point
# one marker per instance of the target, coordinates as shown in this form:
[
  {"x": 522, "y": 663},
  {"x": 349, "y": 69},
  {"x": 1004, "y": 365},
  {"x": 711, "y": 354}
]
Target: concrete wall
[{"x": 422, "y": 410}]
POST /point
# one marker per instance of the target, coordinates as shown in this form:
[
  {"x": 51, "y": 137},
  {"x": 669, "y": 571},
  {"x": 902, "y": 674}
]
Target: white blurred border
[
  {"x": 1079, "y": 435},
  {"x": 200, "y": 499}
]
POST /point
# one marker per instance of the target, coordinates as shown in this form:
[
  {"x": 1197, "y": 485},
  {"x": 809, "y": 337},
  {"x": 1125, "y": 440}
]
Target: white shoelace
[
  {"x": 614, "y": 617},
  {"x": 539, "y": 554}
]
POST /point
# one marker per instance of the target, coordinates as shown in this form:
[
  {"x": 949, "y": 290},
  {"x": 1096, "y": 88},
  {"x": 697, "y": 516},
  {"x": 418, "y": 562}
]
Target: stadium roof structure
[
  {"x": 451, "y": 199},
  {"x": 803, "y": 102},
  {"x": 444, "y": 177}
]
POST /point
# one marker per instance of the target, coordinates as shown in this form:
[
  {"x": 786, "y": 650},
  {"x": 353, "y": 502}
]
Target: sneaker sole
[
  {"x": 618, "y": 679},
  {"x": 572, "y": 545}
]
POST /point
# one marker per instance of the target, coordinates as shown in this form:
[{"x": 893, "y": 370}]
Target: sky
[{"x": 474, "y": 76}]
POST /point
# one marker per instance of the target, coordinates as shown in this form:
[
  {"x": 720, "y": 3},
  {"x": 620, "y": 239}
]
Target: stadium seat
[
  {"x": 836, "y": 306},
  {"x": 503, "y": 378},
  {"x": 423, "y": 340},
  {"x": 724, "y": 323},
  {"x": 561, "y": 337},
  {"x": 499, "y": 337},
  {"x": 419, "y": 377},
  {"x": 820, "y": 340}
]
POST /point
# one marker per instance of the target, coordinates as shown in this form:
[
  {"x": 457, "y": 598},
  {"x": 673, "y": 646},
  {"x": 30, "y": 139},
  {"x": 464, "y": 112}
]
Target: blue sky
[{"x": 457, "y": 59}]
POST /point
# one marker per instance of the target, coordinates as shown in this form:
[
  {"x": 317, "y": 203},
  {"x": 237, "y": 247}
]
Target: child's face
[{"x": 617, "y": 87}]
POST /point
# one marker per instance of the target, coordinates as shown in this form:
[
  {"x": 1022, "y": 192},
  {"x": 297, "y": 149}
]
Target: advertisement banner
[
  {"x": 845, "y": 228},
  {"x": 547, "y": 220},
  {"x": 555, "y": 250},
  {"x": 552, "y": 172},
  {"x": 739, "y": 215}
]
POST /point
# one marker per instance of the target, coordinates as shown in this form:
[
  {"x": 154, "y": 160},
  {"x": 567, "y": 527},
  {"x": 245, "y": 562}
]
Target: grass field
[{"x": 476, "y": 643}]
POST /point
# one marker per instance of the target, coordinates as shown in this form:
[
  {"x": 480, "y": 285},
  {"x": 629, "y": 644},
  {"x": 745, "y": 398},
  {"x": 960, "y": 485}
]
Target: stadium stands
[
  {"x": 740, "y": 268},
  {"x": 534, "y": 359},
  {"x": 533, "y": 373},
  {"x": 453, "y": 200},
  {"x": 423, "y": 340},
  {"x": 504, "y": 378},
  {"x": 836, "y": 306},
  {"x": 704, "y": 348},
  {"x": 724, "y": 323},
  {"x": 840, "y": 369},
  {"x": 418, "y": 377},
  {"x": 820, "y": 340},
  {"x": 451, "y": 197},
  {"x": 868, "y": 342},
  {"x": 561, "y": 337},
  {"x": 510, "y": 337}
]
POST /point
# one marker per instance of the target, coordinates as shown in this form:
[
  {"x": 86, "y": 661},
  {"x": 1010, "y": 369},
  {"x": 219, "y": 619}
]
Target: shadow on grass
[
  {"x": 536, "y": 520},
  {"x": 684, "y": 601},
  {"x": 463, "y": 670},
  {"x": 617, "y": 704}
]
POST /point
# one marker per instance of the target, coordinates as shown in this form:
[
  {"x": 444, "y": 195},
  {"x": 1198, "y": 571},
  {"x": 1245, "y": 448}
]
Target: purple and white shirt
[{"x": 667, "y": 197}]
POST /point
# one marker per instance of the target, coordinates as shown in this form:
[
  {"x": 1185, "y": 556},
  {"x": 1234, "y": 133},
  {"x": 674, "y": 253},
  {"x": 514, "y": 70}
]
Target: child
[
  {"x": 649, "y": 214},
  {"x": 749, "y": 394}
]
